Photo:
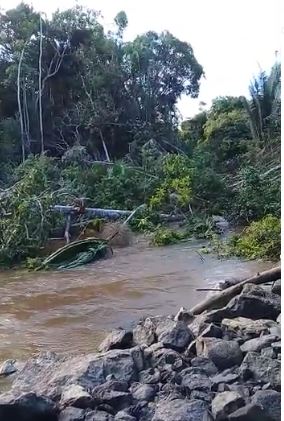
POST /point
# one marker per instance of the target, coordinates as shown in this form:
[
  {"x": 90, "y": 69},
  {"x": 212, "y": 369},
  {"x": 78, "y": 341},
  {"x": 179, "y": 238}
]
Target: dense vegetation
[{"x": 85, "y": 114}]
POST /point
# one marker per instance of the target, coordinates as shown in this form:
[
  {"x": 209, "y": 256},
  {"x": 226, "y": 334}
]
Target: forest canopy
[{"x": 85, "y": 114}]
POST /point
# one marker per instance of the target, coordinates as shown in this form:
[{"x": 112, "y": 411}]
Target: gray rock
[
  {"x": 205, "y": 364},
  {"x": 143, "y": 392},
  {"x": 8, "y": 367},
  {"x": 224, "y": 354},
  {"x": 276, "y": 331},
  {"x": 276, "y": 287},
  {"x": 225, "y": 377},
  {"x": 255, "y": 303},
  {"x": 26, "y": 407},
  {"x": 75, "y": 395},
  {"x": 221, "y": 224},
  {"x": 225, "y": 403},
  {"x": 278, "y": 320},
  {"x": 195, "y": 381},
  {"x": 98, "y": 416},
  {"x": 247, "y": 327},
  {"x": 276, "y": 346},
  {"x": 145, "y": 332},
  {"x": 72, "y": 414},
  {"x": 176, "y": 336},
  {"x": 117, "y": 339},
  {"x": 182, "y": 410},
  {"x": 256, "y": 344},
  {"x": 212, "y": 331},
  {"x": 184, "y": 315},
  {"x": 46, "y": 373},
  {"x": 119, "y": 386},
  {"x": 249, "y": 412},
  {"x": 243, "y": 390},
  {"x": 151, "y": 376},
  {"x": 171, "y": 391},
  {"x": 204, "y": 396},
  {"x": 270, "y": 401},
  {"x": 261, "y": 368},
  {"x": 268, "y": 352},
  {"x": 113, "y": 394},
  {"x": 124, "y": 416},
  {"x": 198, "y": 324},
  {"x": 164, "y": 357}
]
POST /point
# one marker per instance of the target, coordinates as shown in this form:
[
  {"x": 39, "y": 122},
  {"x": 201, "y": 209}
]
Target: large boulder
[
  {"x": 258, "y": 367},
  {"x": 257, "y": 344},
  {"x": 27, "y": 407},
  {"x": 113, "y": 393},
  {"x": 175, "y": 335},
  {"x": 249, "y": 412},
  {"x": 225, "y": 403},
  {"x": 182, "y": 410},
  {"x": 47, "y": 374},
  {"x": 167, "y": 357},
  {"x": 205, "y": 364},
  {"x": 255, "y": 303},
  {"x": 270, "y": 402},
  {"x": 143, "y": 392},
  {"x": 248, "y": 328},
  {"x": 117, "y": 339},
  {"x": 195, "y": 380},
  {"x": 224, "y": 354},
  {"x": 225, "y": 377}
]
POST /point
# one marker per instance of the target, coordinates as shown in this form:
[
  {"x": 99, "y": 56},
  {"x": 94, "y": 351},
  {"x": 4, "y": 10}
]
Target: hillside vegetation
[{"x": 84, "y": 114}]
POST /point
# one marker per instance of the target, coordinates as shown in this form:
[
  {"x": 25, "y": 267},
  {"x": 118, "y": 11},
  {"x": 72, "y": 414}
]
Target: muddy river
[{"x": 70, "y": 311}]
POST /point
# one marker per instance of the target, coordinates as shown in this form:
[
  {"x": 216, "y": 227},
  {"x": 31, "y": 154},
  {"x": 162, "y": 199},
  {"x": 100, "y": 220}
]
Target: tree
[{"x": 263, "y": 108}]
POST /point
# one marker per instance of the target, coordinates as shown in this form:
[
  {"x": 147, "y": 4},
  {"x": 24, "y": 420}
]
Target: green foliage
[
  {"x": 174, "y": 191},
  {"x": 163, "y": 236},
  {"x": 263, "y": 108},
  {"x": 262, "y": 239},
  {"x": 200, "y": 227},
  {"x": 26, "y": 216},
  {"x": 256, "y": 196},
  {"x": 226, "y": 134}
]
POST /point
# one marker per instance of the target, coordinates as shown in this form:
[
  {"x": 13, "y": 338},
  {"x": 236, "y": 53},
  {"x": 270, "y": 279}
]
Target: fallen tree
[{"x": 222, "y": 299}]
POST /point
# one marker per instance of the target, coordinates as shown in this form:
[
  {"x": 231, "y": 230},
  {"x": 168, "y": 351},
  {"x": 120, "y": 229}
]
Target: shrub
[
  {"x": 256, "y": 196},
  {"x": 164, "y": 236},
  {"x": 260, "y": 240}
]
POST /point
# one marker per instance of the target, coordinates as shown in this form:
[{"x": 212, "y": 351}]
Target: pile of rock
[{"x": 220, "y": 365}]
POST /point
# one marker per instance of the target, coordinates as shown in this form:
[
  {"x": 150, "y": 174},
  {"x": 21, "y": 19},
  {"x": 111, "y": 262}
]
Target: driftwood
[{"x": 222, "y": 299}]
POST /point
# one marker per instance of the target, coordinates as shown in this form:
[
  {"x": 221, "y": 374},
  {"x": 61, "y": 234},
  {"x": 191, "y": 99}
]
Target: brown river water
[{"x": 70, "y": 311}]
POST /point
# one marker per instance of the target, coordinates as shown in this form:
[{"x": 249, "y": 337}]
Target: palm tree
[{"x": 264, "y": 106}]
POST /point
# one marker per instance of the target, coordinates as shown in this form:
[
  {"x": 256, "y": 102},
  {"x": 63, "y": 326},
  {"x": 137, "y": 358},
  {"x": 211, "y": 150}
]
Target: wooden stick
[{"x": 225, "y": 296}]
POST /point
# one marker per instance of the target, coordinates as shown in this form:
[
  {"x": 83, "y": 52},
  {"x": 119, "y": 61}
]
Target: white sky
[{"x": 230, "y": 38}]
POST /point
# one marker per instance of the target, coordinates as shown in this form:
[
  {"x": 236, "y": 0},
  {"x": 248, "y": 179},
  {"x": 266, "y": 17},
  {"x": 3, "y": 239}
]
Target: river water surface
[{"x": 71, "y": 311}]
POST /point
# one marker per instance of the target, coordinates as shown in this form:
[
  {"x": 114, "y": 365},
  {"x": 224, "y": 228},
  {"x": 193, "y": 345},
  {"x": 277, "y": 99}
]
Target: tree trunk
[
  {"x": 222, "y": 299},
  {"x": 20, "y": 105},
  {"x": 40, "y": 86}
]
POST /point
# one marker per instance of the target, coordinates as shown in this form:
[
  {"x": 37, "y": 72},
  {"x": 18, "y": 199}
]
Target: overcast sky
[{"x": 230, "y": 38}]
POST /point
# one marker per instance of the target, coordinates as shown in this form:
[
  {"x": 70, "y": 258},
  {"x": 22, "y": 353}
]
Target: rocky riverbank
[{"x": 220, "y": 365}]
